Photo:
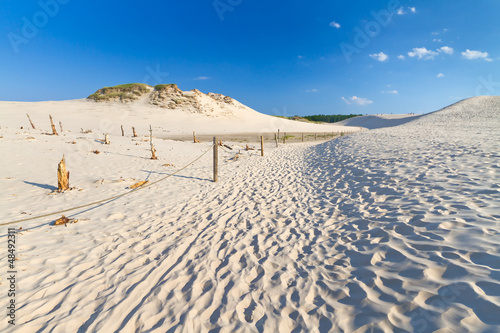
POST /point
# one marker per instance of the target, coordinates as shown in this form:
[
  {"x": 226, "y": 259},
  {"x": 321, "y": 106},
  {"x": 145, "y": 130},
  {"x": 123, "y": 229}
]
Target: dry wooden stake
[
  {"x": 194, "y": 138},
  {"x": 32, "y": 125},
  {"x": 284, "y": 138},
  {"x": 133, "y": 131},
  {"x": 54, "y": 132},
  {"x": 278, "y": 135},
  {"x": 153, "y": 150},
  {"x": 106, "y": 139},
  {"x": 123, "y": 133},
  {"x": 216, "y": 160},
  {"x": 62, "y": 176},
  {"x": 262, "y": 145}
]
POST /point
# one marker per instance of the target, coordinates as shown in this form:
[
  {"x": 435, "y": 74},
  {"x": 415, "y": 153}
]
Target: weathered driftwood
[
  {"x": 123, "y": 133},
  {"x": 62, "y": 176},
  {"x": 62, "y": 220},
  {"x": 32, "y": 125},
  {"x": 54, "y": 132},
  {"x": 106, "y": 139},
  {"x": 139, "y": 184}
]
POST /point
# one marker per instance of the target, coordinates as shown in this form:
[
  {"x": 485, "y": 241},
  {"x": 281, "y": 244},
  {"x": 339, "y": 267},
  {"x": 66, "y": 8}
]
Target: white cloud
[
  {"x": 335, "y": 25},
  {"x": 422, "y": 53},
  {"x": 379, "y": 56},
  {"x": 435, "y": 33},
  {"x": 438, "y": 40},
  {"x": 311, "y": 90},
  {"x": 472, "y": 55},
  {"x": 300, "y": 57},
  {"x": 357, "y": 101},
  {"x": 402, "y": 11},
  {"x": 447, "y": 50},
  {"x": 440, "y": 75},
  {"x": 201, "y": 78},
  {"x": 394, "y": 92},
  {"x": 401, "y": 57}
]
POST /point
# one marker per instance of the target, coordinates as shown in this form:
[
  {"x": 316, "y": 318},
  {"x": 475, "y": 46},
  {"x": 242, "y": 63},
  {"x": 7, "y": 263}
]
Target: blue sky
[{"x": 290, "y": 58}]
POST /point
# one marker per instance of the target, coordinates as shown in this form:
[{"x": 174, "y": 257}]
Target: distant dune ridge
[
  {"x": 163, "y": 106},
  {"x": 395, "y": 229},
  {"x": 169, "y": 96}
]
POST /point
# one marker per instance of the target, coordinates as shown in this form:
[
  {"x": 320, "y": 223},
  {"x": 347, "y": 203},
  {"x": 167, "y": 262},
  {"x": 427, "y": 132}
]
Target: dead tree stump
[
  {"x": 62, "y": 176},
  {"x": 54, "y": 132}
]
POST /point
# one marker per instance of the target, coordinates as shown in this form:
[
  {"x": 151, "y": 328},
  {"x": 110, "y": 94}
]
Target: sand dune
[
  {"x": 378, "y": 121},
  {"x": 394, "y": 229},
  {"x": 172, "y": 111}
]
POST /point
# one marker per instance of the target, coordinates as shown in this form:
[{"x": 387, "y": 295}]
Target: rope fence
[
  {"x": 95, "y": 203},
  {"x": 215, "y": 147}
]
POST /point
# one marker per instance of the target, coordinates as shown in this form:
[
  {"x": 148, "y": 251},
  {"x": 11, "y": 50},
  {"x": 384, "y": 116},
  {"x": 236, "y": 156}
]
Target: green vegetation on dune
[
  {"x": 331, "y": 118},
  {"x": 122, "y": 92},
  {"x": 321, "y": 118},
  {"x": 159, "y": 87}
]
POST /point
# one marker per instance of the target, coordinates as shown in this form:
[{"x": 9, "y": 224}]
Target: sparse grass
[
  {"x": 123, "y": 92},
  {"x": 159, "y": 87}
]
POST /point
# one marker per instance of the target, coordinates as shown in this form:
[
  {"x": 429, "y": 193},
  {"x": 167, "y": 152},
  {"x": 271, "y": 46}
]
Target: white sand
[{"x": 395, "y": 229}]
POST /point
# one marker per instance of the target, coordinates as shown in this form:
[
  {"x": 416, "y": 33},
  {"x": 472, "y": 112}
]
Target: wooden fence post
[
  {"x": 30, "y": 121},
  {"x": 106, "y": 139},
  {"x": 123, "y": 133},
  {"x": 284, "y": 138},
  {"x": 133, "y": 132},
  {"x": 54, "y": 132},
  {"x": 262, "y": 145},
  {"x": 216, "y": 160},
  {"x": 278, "y": 134}
]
